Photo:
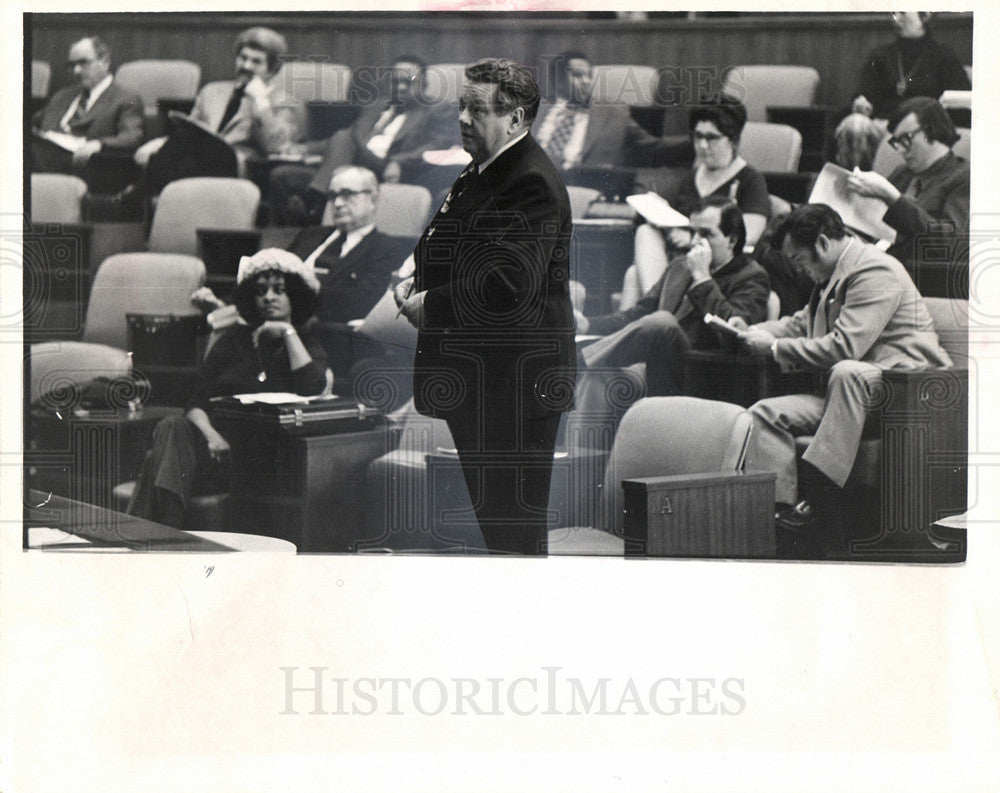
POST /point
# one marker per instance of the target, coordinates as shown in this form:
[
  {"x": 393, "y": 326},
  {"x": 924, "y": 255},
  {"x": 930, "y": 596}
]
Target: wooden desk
[
  {"x": 54, "y": 522},
  {"x": 306, "y": 488},
  {"x": 600, "y": 253}
]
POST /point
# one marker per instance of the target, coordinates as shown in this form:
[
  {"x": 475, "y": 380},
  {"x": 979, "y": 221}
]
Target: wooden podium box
[{"x": 703, "y": 515}]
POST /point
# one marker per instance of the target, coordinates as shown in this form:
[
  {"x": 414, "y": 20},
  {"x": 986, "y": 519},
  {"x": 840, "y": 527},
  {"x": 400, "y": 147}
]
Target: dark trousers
[
  {"x": 507, "y": 464},
  {"x": 177, "y": 467},
  {"x": 656, "y": 339}
]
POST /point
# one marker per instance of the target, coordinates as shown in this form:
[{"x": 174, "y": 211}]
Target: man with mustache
[{"x": 251, "y": 113}]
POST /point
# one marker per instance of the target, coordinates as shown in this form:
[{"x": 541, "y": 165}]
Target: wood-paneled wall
[{"x": 703, "y": 46}]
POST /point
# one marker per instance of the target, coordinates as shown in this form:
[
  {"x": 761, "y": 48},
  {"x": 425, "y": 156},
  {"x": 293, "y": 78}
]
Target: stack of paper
[
  {"x": 657, "y": 210},
  {"x": 861, "y": 213}
]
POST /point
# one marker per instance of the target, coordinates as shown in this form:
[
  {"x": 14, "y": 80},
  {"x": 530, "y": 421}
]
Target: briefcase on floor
[{"x": 308, "y": 416}]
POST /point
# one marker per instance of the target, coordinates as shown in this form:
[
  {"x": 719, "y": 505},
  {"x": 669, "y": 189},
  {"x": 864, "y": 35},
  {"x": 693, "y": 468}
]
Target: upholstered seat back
[{"x": 665, "y": 436}]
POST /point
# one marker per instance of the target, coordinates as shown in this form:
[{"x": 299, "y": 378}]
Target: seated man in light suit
[
  {"x": 95, "y": 109},
  {"x": 865, "y": 315},
  {"x": 251, "y": 113},
  {"x": 575, "y": 132},
  {"x": 714, "y": 276}
]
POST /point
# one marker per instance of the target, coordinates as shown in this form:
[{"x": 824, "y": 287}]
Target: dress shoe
[{"x": 798, "y": 519}]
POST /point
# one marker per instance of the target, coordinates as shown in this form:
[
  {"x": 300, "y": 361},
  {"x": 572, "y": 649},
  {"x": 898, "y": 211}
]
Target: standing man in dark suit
[
  {"x": 388, "y": 137},
  {"x": 495, "y": 355},
  {"x": 95, "y": 109},
  {"x": 353, "y": 261}
]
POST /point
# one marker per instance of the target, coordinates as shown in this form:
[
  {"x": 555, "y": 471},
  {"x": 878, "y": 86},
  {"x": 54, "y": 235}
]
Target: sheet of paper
[
  {"x": 70, "y": 143},
  {"x": 859, "y": 212},
  {"x": 657, "y": 210}
]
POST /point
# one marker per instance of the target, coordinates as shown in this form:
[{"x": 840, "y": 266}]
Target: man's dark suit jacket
[
  {"x": 615, "y": 139},
  {"x": 116, "y": 119},
  {"x": 355, "y": 281},
  {"x": 740, "y": 288},
  {"x": 426, "y": 128},
  {"x": 498, "y": 333}
]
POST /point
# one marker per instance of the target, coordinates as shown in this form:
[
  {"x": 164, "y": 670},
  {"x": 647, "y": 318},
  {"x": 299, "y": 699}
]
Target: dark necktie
[
  {"x": 231, "y": 107},
  {"x": 331, "y": 252},
  {"x": 460, "y": 186},
  {"x": 81, "y": 108}
]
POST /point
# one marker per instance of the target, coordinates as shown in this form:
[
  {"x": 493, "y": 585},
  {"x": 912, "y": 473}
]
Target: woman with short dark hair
[{"x": 718, "y": 171}]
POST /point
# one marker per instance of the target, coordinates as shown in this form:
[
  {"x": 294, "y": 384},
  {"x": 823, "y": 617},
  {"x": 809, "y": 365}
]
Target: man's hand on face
[
  {"x": 698, "y": 261},
  {"x": 256, "y": 89}
]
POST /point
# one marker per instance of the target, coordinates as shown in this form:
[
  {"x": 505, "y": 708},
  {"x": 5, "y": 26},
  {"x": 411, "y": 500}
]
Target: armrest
[
  {"x": 734, "y": 376},
  {"x": 935, "y": 398}
]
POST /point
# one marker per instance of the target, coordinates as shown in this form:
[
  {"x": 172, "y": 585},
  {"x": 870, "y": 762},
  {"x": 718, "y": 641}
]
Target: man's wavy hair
[
  {"x": 516, "y": 86},
  {"x": 268, "y": 41},
  {"x": 302, "y": 298},
  {"x": 932, "y": 117}
]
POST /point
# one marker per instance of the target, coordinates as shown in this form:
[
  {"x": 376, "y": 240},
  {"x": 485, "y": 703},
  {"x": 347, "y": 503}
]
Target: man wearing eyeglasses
[
  {"x": 495, "y": 351},
  {"x": 927, "y": 198},
  {"x": 353, "y": 260},
  {"x": 95, "y": 111}
]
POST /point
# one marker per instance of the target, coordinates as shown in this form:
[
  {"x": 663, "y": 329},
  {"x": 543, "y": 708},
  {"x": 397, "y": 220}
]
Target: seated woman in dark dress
[
  {"x": 718, "y": 170},
  {"x": 275, "y": 295}
]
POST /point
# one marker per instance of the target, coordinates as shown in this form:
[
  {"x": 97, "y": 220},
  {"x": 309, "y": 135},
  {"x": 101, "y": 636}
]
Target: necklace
[{"x": 904, "y": 78}]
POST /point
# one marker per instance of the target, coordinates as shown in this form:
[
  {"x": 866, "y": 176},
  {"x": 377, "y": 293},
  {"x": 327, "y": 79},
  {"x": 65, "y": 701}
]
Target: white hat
[{"x": 276, "y": 259}]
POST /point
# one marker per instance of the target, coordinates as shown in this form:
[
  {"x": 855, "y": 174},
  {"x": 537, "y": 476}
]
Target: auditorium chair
[
  {"x": 761, "y": 86},
  {"x": 41, "y": 74},
  {"x": 443, "y": 83},
  {"x": 324, "y": 89},
  {"x": 633, "y": 85},
  {"x": 315, "y": 81},
  {"x": 56, "y": 198},
  {"x": 58, "y": 365},
  {"x": 139, "y": 283},
  {"x": 912, "y": 465},
  {"x": 661, "y": 441},
  {"x": 771, "y": 147},
  {"x": 580, "y": 199},
  {"x": 156, "y": 79},
  {"x": 186, "y": 205},
  {"x": 887, "y": 159}
]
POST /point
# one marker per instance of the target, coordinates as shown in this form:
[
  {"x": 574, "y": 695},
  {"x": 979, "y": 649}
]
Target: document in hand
[
  {"x": 657, "y": 210},
  {"x": 70, "y": 143},
  {"x": 861, "y": 213}
]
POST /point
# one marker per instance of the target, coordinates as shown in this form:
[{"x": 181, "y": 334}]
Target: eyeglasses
[
  {"x": 708, "y": 137},
  {"x": 904, "y": 140},
  {"x": 346, "y": 195}
]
